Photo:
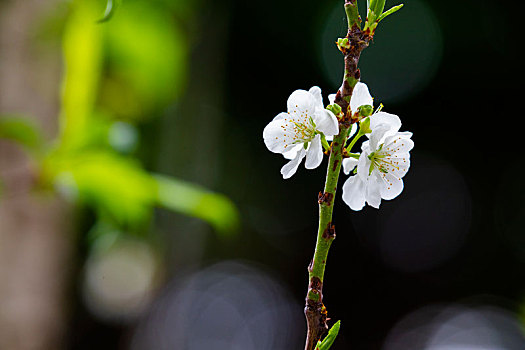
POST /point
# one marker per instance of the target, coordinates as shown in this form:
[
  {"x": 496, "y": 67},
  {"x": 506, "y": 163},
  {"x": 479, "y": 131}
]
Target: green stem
[
  {"x": 354, "y": 140},
  {"x": 315, "y": 311}
]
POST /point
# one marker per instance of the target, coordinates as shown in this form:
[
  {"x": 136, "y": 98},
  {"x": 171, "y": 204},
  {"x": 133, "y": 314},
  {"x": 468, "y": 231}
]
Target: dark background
[
  {"x": 454, "y": 234},
  {"x": 454, "y": 238}
]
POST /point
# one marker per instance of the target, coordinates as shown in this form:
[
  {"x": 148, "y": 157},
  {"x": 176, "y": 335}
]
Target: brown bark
[{"x": 34, "y": 247}]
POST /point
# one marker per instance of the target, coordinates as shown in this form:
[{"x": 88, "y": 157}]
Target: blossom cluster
[{"x": 376, "y": 173}]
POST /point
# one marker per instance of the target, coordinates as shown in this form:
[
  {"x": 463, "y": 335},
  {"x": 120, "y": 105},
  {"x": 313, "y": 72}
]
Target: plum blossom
[
  {"x": 297, "y": 133},
  {"x": 384, "y": 161}
]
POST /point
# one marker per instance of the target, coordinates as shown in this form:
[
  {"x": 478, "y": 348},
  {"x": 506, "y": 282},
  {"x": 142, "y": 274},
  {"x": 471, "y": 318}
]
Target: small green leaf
[
  {"x": 330, "y": 338},
  {"x": 378, "y": 7},
  {"x": 389, "y": 12},
  {"x": 20, "y": 130},
  {"x": 111, "y": 7}
]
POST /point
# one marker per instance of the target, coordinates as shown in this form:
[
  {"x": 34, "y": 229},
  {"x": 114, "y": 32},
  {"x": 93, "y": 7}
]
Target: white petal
[
  {"x": 291, "y": 167},
  {"x": 331, "y": 98},
  {"x": 280, "y": 116},
  {"x": 398, "y": 165},
  {"x": 349, "y": 164},
  {"x": 318, "y": 98},
  {"x": 360, "y": 97},
  {"x": 326, "y": 122},
  {"x": 354, "y": 193},
  {"x": 399, "y": 143},
  {"x": 378, "y": 135},
  {"x": 301, "y": 102},
  {"x": 363, "y": 166},
  {"x": 373, "y": 190},
  {"x": 273, "y": 135},
  {"x": 391, "y": 120},
  {"x": 292, "y": 152},
  {"x": 314, "y": 155},
  {"x": 392, "y": 186}
]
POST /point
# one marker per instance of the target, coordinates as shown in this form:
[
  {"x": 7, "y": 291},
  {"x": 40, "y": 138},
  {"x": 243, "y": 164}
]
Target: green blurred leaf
[
  {"x": 21, "y": 130},
  {"x": 111, "y": 7},
  {"x": 82, "y": 49},
  {"x": 193, "y": 200},
  {"x": 116, "y": 186},
  {"x": 330, "y": 338},
  {"x": 120, "y": 189},
  {"x": 146, "y": 61}
]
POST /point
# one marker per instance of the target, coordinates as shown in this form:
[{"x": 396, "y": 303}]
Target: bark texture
[{"x": 34, "y": 246}]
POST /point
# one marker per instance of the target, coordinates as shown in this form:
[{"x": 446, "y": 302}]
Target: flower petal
[
  {"x": 314, "y": 154},
  {"x": 274, "y": 136},
  {"x": 398, "y": 165},
  {"x": 391, "y": 120},
  {"x": 354, "y": 193},
  {"x": 360, "y": 97},
  {"x": 349, "y": 164},
  {"x": 291, "y": 167},
  {"x": 280, "y": 116},
  {"x": 291, "y": 153},
  {"x": 373, "y": 190},
  {"x": 301, "y": 102},
  {"x": 392, "y": 186},
  {"x": 318, "y": 97},
  {"x": 326, "y": 122},
  {"x": 377, "y": 135},
  {"x": 399, "y": 143},
  {"x": 363, "y": 165}
]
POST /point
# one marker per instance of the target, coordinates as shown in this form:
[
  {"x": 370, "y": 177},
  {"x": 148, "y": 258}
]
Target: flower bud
[
  {"x": 335, "y": 108},
  {"x": 365, "y": 110},
  {"x": 342, "y": 43}
]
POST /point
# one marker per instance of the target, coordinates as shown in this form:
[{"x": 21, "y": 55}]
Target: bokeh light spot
[
  {"x": 230, "y": 305},
  {"x": 426, "y": 225},
  {"x": 457, "y": 327}
]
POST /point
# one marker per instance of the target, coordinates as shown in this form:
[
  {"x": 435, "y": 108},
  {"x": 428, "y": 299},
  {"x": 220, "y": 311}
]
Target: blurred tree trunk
[{"x": 34, "y": 247}]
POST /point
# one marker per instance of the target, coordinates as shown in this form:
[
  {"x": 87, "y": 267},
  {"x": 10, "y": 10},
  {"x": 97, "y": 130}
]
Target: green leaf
[
  {"x": 21, "y": 130},
  {"x": 330, "y": 338},
  {"x": 147, "y": 55},
  {"x": 378, "y": 6},
  {"x": 193, "y": 200},
  {"x": 115, "y": 186},
  {"x": 111, "y": 7},
  {"x": 389, "y": 12}
]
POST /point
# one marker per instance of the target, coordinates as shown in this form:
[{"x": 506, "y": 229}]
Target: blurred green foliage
[
  {"x": 21, "y": 130},
  {"x": 118, "y": 73}
]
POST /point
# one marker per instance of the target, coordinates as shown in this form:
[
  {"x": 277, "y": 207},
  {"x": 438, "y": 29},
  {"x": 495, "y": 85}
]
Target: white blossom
[
  {"x": 384, "y": 161},
  {"x": 297, "y": 133}
]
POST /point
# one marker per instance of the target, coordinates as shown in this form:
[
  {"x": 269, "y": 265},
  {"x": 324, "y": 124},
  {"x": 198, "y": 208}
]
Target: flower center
[
  {"x": 381, "y": 161},
  {"x": 303, "y": 129}
]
